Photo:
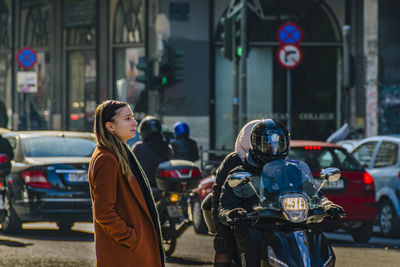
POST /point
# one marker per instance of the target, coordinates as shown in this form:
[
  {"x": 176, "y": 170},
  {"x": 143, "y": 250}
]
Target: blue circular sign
[
  {"x": 290, "y": 33},
  {"x": 26, "y": 57}
]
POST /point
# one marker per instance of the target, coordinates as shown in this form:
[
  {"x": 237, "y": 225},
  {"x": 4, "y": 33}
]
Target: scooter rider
[
  {"x": 224, "y": 239},
  {"x": 269, "y": 140},
  {"x": 184, "y": 147},
  {"x": 152, "y": 150}
]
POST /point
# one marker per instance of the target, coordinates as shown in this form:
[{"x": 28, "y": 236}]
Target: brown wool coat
[{"x": 123, "y": 228}]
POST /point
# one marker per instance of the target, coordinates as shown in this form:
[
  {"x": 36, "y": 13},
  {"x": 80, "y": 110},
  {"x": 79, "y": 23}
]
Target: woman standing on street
[{"x": 126, "y": 224}]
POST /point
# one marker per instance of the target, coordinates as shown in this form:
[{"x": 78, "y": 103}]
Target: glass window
[
  {"x": 347, "y": 161},
  {"x": 386, "y": 155},
  {"x": 5, "y": 24},
  {"x": 58, "y": 147},
  {"x": 364, "y": 153},
  {"x": 129, "y": 22},
  {"x": 326, "y": 157},
  {"x": 127, "y": 88},
  {"x": 5, "y": 88},
  {"x": 81, "y": 90}
]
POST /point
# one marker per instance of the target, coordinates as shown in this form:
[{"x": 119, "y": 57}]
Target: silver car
[{"x": 380, "y": 156}]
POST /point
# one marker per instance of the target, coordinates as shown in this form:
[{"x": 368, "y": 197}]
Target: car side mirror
[
  {"x": 238, "y": 179},
  {"x": 330, "y": 174}
]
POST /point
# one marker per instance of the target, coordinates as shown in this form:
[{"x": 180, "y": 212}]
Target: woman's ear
[{"x": 110, "y": 126}]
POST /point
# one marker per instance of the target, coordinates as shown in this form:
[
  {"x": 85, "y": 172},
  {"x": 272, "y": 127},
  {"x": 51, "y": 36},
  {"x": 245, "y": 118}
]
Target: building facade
[{"x": 87, "y": 51}]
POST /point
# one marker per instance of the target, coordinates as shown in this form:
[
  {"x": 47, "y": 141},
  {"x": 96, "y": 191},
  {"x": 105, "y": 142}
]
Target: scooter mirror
[
  {"x": 239, "y": 178},
  {"x": 330, "y": 174}
]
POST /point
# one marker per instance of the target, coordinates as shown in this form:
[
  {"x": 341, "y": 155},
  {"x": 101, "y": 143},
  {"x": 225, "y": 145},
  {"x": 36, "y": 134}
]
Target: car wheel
[
  {"x": 64, "y": 226},
  {"x": 199, "y": 223},
  {"x": 363, "y": 233},
  {"x": 11, "y": 223},
  {"x": 388, "y": 220}
]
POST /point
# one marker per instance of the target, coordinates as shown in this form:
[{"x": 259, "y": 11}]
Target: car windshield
[
  {"x": 50, "y": 146},
  {"x": 323, "y": 157}
]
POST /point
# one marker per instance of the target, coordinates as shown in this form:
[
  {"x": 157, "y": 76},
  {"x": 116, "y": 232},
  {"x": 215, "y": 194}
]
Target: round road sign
[
  {"x": 289, "y": 56},
  {"x": 26, "y": 57},
  {"x": 289, "y": 33}
]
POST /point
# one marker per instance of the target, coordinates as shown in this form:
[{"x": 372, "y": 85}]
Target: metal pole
[
  {"x": 161, "y": 104},
  {"x": 243, "y": 64},
  {"x": 289, "y": 99},
  {"x": 235, "y": 100}
]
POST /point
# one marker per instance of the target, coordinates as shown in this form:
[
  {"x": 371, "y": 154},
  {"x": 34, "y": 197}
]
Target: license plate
[
  {"x": 76, "y": 177},
  {"x": 175, "y": 211},
  {"x": 294, "y": 203},
  {"x": 339, "y": 184}
]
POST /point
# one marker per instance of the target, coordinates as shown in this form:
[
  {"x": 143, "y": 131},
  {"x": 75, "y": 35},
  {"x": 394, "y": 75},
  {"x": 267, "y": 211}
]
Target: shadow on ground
[
  {"x": 13, "y": 243},
  {"x": 187, "y": 261},
  {"x": 49, "y": 234}
]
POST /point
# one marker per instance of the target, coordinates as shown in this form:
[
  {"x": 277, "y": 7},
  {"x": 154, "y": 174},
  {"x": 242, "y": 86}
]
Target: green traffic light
[
  {"x": 164, "y": 80},
  {"x": 239, "y": 51}
]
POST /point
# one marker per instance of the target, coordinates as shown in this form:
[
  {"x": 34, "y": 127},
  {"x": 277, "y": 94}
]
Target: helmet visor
[{"x": 272, "y": 144}]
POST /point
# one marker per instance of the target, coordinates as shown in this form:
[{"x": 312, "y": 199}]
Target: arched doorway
[{"x": 316, "y": 83}]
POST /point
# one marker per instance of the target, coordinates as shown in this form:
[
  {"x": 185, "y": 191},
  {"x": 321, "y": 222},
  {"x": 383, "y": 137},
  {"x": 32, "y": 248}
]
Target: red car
[{"x": 355, "y": 191}]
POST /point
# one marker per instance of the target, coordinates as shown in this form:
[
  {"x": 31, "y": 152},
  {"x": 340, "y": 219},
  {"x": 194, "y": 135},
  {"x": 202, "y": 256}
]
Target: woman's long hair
[{"x": 104, "y": 113}]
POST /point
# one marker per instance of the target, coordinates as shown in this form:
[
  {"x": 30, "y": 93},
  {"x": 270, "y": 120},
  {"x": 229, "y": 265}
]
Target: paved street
[{"x": 43, "y": 245}]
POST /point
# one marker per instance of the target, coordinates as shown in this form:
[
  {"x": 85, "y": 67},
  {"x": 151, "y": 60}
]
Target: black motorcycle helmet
[
  {"x": 269, "y": 140},
  {"x": 149, "y": 126}
]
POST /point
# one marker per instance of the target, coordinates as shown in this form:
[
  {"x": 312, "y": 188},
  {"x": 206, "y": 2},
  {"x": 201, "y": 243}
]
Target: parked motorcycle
[
  {"x": 289, "y": 211},
  {"x": 175, "y": 181}
]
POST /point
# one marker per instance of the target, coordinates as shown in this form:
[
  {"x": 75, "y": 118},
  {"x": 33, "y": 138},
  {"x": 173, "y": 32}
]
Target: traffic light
[
  {"x": 169, "y": 67},
  {"x": 177, "y": 64},
  {"x": 164, "y": 71},
  {"x": 146, "y": 67},
  {"x": 237, "y": 35},
  {"x": 227, "y": 37}
]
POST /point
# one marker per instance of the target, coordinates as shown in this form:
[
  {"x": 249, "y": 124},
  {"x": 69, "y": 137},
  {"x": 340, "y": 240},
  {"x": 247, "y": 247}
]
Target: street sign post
[
  {"x": 289, "y": 56},
  {"x": 26, "y": 57}
]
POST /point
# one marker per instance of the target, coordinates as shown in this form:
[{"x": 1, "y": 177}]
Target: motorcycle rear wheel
[{"x": 169, "y": 246}]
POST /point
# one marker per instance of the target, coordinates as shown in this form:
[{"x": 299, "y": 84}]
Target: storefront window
[
  {"x": 5, "y": 63},
  {"x": 36, "y": 20},
  {"x": 129, "y": 47},
  {"x": 127, "y": 88},
  {"x": 79, "y": 25},
  {"x": 81, "y": 90}
]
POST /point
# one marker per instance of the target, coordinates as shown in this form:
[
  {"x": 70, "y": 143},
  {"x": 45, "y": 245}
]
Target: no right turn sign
[{"x": 289, "y": 56}]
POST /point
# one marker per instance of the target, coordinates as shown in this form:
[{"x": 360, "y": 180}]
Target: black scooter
[
  {"x": 175, "y": 180},
  {"x": 287, "y": 218}
]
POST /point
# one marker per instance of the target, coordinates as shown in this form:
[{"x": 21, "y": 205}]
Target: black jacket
[
  {"x": 230, "y": 162},
  {"x": 185, "y": 148},
  {"x": 150, "y": 153},
  {"x": 229, "y": 200}
]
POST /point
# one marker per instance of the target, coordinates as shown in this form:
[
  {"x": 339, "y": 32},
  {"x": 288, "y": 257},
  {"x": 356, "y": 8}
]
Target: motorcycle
[
  {"x": 287, "y": 217},
  {"x": 175, "y": 181}
]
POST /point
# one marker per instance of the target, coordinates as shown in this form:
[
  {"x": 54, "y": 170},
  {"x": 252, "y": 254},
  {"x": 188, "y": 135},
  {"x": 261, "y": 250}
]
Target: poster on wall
[
  {"x": 128, "y": 89},
  {"x": 27, "y": 82}
]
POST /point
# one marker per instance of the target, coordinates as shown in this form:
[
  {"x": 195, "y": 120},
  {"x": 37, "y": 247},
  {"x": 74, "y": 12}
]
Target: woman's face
[{"x": 124, "y": 124}]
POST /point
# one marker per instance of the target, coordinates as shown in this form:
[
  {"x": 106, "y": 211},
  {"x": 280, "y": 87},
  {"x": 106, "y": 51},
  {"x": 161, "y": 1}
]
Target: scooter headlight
[{"x": 295, "y": 207}]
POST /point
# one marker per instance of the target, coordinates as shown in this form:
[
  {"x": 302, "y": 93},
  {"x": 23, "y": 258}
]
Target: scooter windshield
[{"x": 286, "y": 175}]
